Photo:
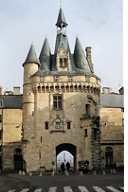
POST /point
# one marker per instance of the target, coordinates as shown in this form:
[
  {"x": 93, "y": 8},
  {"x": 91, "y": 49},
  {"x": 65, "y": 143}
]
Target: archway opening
[
  {"x": 67, "y": 158},
  {"x": 18, "y": 160},
  {"x": 66, "y": 154}
]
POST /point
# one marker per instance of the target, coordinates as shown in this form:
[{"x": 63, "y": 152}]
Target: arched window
[
  {"x": 18, "y": 160},
  {"x": 109, "y": 157}
]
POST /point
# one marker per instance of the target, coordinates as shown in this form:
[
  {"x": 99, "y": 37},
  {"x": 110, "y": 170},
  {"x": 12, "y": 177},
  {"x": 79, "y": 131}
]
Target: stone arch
[
  {"x": 70, "y": 148},
  {"x": 18, "y": 159},
  {"x": 108, "y": 157}
]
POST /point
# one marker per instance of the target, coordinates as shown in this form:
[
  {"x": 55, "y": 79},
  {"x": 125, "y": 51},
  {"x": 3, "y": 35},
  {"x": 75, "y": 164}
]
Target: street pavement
[{"x": 62, "y": 183}]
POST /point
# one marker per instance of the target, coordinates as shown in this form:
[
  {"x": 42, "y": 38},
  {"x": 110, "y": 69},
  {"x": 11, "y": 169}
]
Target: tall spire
[
  {"x": 61, "y": 21},
  {"x": 79, "y": 56},
  {"x": 31, "y": 57},
  {"x": 45, "y": 56}
]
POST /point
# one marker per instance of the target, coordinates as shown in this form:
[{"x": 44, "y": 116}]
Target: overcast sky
[{"x": 98, "y": 23}]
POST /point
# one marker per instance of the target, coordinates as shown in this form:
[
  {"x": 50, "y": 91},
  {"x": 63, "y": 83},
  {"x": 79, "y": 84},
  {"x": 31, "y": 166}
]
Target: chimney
[
  {"x": 0, "y": 90},
  {"x": 106, "y": 90},
  {"x": 16, "y": 90},
  {"x": 89, "y": 57}
]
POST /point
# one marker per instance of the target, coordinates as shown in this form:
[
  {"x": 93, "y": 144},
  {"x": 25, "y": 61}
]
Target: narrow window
[
  {"x": 122, "y": 122},
  {"x": 41, "y": 139},
  {"x": 65, "y": 62},
  {"x": 87, "y": 106},
  {"x": 39, "y": 155},
  {"x": 61, "y": 62},
  {"x": 85, "y": 133},
  {"x": 0, "y": 135},
  {"x": 46, "y": 125},
  {"x": 68, "y": 125},
  {"x": 0, "y": 118}
]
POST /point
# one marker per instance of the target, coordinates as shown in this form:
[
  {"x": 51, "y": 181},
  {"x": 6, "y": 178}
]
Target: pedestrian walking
[{"x": 68, "y": 166}]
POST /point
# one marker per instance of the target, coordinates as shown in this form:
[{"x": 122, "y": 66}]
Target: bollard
[
  {"x": 114, "y": 171},
  {"x": 94, "y": 172},
  {"x": 111, "y": 171},
  {"x": 20, "y": 172},
  {"x": 66, "y": 173},
  {"x": 23, "y": 172},
  {"x": 81, "y": 173},
  {"x": 40, "y": 173},
  {"x": 104, "y": 173},
  {"x": 30, "y": 173},
  {"x": 53, "y": 173}
]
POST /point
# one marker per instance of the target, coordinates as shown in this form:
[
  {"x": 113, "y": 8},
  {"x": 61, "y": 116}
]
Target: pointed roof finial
[
  {"x": 60, "y": 3},
  {"x": 61, "y": 21}
]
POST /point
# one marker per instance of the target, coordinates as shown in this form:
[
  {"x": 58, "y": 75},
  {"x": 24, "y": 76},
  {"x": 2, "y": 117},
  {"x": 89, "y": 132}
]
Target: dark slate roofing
[
  {"x": 61, "y": 40},
  {"x": 61, "y": 21},
  {"x": 111, "y": 100},
  {"x": 80, "y": 59},
  {"x": 45, "y": 56},
  {"x": 31, "y": 57},
  {"x": 78, "y": 62},
  {"x": 12, "y": 102}
]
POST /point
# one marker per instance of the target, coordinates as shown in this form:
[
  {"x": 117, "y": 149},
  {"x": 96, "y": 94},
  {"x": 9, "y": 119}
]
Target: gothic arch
[
  {"x": 67, "y": 147},
  {"x": 18, "y": 160},
  {"x": 108, "y": 157}
]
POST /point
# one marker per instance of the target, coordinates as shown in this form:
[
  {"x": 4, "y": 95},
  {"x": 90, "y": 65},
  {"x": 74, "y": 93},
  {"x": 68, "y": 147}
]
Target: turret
[{"x": 30, "y": 65}]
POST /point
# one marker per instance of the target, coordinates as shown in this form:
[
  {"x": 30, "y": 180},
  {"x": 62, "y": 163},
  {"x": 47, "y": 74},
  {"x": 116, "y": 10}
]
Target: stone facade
[
  {"x": 75, "y": 96},
  {"x": 11, "y": 129},
  {"x": 61, "y": 109},
  {"x": 112, "y": 133}
]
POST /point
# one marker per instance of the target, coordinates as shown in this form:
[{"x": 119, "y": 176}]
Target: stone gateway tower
[{"x": 60, "y": 104}]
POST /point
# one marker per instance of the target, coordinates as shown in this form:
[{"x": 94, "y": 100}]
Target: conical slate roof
[
  {"x": 31, "y": 57},
  {"x": 61, "y": 21},
  {"x": 45, "y": 56},
  {"x": 61, "y": 41},
  {"x": 79, "y": 57}
]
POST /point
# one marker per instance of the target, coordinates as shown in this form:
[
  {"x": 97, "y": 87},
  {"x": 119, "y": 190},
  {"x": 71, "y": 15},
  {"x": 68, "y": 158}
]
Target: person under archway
[
  {"x": 68, "y": 166},
  {"x": 62, "y": 167}
]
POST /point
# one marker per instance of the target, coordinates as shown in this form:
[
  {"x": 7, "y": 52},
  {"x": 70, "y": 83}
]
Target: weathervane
[{"x": 60, "y": 3}]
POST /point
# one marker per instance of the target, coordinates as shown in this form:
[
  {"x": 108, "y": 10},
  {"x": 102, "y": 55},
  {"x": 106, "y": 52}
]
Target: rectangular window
[
  {"x": 39, "y": 155},
  {"x": 46, "y": 125},
  {"x": 61, "y": 62},
  {"x": 122, "y": 122},
  {"x": 57, "y": 102},
  {"x": 0, "y": 118},
  {"x": 65, "y": 62},
  {"x": 85, "y": 133},
  {"x": 87, "y": 106},
  {"x": 57, "y": 125},
  {"x": 41, "y": 139},
  {"x": 0, "y": 135},
  {"x": 68, "y": 125},
  {"x": 122, "y": 109}
]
